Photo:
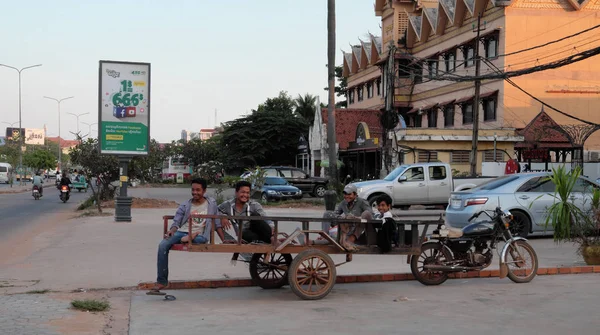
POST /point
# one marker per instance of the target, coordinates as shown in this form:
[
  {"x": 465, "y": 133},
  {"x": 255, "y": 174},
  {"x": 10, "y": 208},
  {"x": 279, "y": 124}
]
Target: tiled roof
[
  {"x": 542, "y": 129},
  {"x": 64, "y": 143},
  {"x": 346, "y": 121}
]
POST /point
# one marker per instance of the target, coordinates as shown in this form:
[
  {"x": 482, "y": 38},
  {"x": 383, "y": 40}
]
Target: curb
[{"x": 367, "y": 278}]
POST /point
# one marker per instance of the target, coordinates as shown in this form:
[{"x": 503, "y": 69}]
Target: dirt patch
[
  {"x": 294, "y": 205},
  {"x": 113, "y": 321},
  {"x": 145, "y": 203}
]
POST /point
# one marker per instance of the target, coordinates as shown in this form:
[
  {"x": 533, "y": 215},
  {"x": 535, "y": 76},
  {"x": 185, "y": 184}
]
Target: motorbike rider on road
[
  {"x": 65, "y": 181},
  {"x": 38, "y": 181}
]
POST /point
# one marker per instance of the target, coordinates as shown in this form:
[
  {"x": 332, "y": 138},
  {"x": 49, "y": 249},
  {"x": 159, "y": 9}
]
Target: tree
[
  {"x": 341, "y": 88},
  {"x": 269, "y": 135},
  {"x": 331, "y": 79},
  {"x": 10, "y": 153},
  {"x": 199, "y": 152},
  {"x": 87, "y": 155},
  {"x": 305, "y": 106},
  {"x": 39, "y": 159},
  {"x": 144, "y": 167}
]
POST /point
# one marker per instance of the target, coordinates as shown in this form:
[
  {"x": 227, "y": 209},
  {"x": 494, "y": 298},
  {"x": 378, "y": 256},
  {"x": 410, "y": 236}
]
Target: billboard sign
[
  {"x": 12, "y": 134},
  {"x": 34, "y": 136},
  {"x": 124, "y": 108}
]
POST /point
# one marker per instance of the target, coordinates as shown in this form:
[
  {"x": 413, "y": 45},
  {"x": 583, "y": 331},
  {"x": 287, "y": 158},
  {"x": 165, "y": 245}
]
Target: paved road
[
  {"x": 18, "y": 209},
  {"x": 548, "y": 305}
]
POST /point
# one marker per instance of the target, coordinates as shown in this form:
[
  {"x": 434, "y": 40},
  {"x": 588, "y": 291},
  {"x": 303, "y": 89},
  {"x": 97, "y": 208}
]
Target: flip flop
[{"x": 155, "y": 292}]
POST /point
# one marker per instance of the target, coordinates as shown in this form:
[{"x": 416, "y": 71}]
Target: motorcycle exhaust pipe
[{"x": 448, "y": 268}]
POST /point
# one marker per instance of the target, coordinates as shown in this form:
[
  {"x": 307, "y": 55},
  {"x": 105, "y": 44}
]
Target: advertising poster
[
  {"x": 34, "y": 136},
  {"x": 124, "y": 108},
  {"x": 13, "y": 134}
]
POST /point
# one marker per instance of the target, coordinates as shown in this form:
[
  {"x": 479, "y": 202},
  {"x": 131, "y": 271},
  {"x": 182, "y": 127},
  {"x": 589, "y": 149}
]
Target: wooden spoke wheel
[
  {"x": 270, "y": 275},
  {"x": 312, "y": 274}
]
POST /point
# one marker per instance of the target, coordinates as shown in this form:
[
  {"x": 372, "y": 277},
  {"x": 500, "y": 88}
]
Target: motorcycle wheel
[
  {"x": 430, "y": 253},
  {"x": 522, "y": 265}
]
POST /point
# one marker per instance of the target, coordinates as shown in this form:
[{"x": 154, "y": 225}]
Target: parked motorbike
[
  {"x": 472, "y": 249},
  {"x": 64, "y": 193},
  {"x": 36, "y": 192}
]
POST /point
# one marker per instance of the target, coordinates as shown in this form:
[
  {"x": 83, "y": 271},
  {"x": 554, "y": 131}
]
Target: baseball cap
[{"x": 350, "y": 189}]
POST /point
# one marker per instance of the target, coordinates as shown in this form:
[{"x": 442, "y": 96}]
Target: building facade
[{"x": 434, "y": 47}]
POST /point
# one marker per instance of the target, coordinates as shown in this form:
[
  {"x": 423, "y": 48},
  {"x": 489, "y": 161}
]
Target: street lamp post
[
  {"x": 20, "y": 125},
  {"x": 11, "y": 124},
  {"x": 77, "y": 116},
  {"x": 58, "y": 101},
  {"x": 89, "y": 127}
]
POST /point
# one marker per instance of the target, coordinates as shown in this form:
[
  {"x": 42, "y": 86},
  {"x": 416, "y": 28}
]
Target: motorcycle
[
  {"x": 64, "y": 193},
  {"x": 36, "y": 192},
  {"x": 472, "y": 249}
]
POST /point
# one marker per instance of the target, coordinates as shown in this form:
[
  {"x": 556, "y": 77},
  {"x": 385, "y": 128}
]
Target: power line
[{"x": 551, "y": 42}]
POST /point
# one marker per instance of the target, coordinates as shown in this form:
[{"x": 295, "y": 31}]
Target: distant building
[
  {"x": 187, "y": 135},
  {"x": 66, "y": 145},
  {"x": 205, "y": 134}
]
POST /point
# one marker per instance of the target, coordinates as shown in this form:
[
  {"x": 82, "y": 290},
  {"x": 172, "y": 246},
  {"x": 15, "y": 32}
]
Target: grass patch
[
  {"x": 90, "y": 305},
  {"x": 37, "y": 292},
  {"x": 89, "y": 202}
]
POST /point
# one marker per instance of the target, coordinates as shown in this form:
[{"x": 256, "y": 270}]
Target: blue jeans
[{"x": 163, "y": 254}]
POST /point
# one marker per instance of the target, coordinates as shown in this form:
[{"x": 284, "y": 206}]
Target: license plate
[{"x": 456, "y": 203}]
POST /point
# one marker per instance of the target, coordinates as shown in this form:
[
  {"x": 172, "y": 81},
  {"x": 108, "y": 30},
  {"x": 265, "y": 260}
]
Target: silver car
[{"x": 525, "y": 195}]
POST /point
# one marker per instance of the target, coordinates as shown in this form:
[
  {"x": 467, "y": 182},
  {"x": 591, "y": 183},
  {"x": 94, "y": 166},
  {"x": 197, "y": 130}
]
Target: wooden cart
[{"x": 311, "y": 274}]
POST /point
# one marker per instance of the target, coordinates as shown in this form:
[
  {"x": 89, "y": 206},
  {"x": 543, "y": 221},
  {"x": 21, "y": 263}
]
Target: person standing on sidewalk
[{"x": 199, "y": 204}]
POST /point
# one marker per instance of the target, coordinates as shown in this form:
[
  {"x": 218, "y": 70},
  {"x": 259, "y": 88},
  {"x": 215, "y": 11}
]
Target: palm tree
[{"x": 305, "y": 107}]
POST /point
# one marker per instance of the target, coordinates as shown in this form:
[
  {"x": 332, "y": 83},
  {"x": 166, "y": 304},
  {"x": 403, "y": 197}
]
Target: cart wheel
[
  {"x": 267, "y": 276},
  {"x": 312, "y": 274}
]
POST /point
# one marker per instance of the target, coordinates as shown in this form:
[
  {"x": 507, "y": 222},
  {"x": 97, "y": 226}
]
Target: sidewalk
[
  {"x": 15, "y": 189},
  {"x": 96, "y": 252}
]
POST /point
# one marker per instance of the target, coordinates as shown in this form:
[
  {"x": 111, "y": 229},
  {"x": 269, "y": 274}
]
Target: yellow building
[{"x": 437, "y": 39}]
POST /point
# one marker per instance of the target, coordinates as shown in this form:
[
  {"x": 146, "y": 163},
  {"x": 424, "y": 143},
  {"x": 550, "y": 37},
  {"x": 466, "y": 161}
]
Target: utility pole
[
  {"x": 476, "y": 100},
  {"x": 331, "y": 140}
]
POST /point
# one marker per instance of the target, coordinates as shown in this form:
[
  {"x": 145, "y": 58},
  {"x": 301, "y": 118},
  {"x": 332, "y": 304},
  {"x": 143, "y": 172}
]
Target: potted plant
[{"x": 571, "y": 223}]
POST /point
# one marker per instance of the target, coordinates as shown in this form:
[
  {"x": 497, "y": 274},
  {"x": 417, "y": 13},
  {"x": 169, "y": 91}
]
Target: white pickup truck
[{"x": 418, "y": 184}]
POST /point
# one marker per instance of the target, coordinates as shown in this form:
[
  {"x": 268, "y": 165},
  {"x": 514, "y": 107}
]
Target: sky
[{"x": 206, "y": 55}]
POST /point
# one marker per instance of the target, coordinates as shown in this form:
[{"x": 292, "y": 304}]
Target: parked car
[
  {"x": 277, "y": 188},
  {"x": 526, "y": 196},
  {"x": 5, "y": 172},
  {"x": 315, "y": 186},
  {"x": 417, "y": 184}
]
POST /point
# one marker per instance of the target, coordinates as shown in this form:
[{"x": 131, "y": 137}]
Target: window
[
  {"x": 427, "y": 156},
  {"x": 450, "y": 60},
  {"x": 460, "y": 157},
  {"x": 488, "y": 156},
  {"x": 359, "y": 91},
  {"x": 378, "y": 82},
  {"x": 299, "y": 174},
  {"x": 467, "y": 111},
  {"x": 583, "y": 186},
  {"x": 449, "y": 116},
  {"x": 351, "y": 95},
  {"x": 414, "y": 174},
  {"x": 489, "y": 106},
  {"x": 491, "y": 47},
  {"x": 369, "y": 90},
  {"x": 286, "y": 173},
  {"x": 417, "y": 73},
  {"x": 404, "y": 68},
  {"x": 469, "y": 55},
  {"x": 418, "y": 121},
  {"x": 432, "y": 118},
  {"x": 437, "y": 172},
  {"x": 432, "y": 67},
  {"x": 271, "y": 173},
  {"x": 538, "y": 185},
  {"x": 3, "y": 169}
]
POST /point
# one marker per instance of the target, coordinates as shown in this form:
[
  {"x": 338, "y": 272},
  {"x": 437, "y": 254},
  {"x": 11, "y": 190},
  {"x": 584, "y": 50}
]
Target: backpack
[{"x": 386, "y": 235}]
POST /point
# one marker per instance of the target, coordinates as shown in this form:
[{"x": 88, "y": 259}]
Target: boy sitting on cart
[
  {"x": 200, "y": 204},
  {"x": 351, "y": 207}
]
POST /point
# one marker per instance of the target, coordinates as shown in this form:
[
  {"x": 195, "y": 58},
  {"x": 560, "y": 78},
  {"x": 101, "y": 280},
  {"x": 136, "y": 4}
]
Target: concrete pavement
[
  {"x": 96, "y": 252},
  {"x": 548, "y": 305}
]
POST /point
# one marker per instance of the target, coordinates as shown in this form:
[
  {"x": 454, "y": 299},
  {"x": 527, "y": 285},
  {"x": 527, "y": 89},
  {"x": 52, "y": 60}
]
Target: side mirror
[
  {"x": 402, "y": 179},
  {"x": 306, "y": 176}
]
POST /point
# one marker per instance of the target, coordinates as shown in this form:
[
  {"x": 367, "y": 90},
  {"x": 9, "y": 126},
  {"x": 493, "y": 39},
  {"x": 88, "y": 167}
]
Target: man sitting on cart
[
  {"x": 351, "y": 207},
  {"x": 179, "y": 232},
  {"x": 242, "y": 205}
]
